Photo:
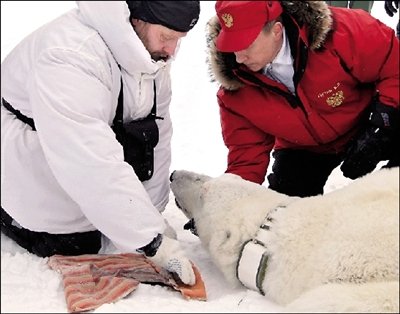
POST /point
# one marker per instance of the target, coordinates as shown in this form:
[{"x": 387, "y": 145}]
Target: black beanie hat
[{"x": 179, "y": 16}]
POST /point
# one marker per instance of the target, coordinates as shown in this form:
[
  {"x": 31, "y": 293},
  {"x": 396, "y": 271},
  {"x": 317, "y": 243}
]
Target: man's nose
[{"x": 170, "y": 48}]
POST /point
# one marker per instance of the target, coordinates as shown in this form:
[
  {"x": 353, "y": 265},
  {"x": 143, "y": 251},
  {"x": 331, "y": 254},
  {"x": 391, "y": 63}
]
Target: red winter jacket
[{"x": 341, "y": 61}]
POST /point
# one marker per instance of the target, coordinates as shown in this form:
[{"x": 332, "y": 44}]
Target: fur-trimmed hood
[{"x": 315, "y": 14}]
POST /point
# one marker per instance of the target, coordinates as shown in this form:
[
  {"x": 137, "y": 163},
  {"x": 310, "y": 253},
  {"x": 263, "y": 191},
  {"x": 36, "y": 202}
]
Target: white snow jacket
[{"x": 70, "y": 175}]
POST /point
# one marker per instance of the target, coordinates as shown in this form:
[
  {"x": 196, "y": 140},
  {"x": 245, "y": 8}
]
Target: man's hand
[
  {"x": 366, "y": 152},
  {"x": 378, "y": 142},
  {"x": 167, "y": 253}
]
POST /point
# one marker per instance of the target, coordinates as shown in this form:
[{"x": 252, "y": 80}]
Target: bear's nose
[{"x": 171, "y": 177}]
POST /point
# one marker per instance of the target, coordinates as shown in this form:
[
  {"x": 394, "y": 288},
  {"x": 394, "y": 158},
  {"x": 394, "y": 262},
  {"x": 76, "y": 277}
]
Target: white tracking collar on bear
[
  {"x": 253, "y": 260},
  {"x": 252, "y": 265}
]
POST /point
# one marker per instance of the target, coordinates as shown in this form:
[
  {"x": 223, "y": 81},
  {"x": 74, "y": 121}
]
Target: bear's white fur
[{"x": 337, "y": 252}]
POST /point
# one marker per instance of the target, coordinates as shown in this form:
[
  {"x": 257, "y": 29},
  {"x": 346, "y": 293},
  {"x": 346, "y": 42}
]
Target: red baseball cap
[{"x": 242, "y": 21}]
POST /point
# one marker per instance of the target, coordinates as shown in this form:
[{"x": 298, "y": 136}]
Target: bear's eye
[{"x": 228, "y": 234}]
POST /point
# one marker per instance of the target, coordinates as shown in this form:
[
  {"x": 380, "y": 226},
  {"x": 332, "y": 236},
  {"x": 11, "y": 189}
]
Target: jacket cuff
[
  {"x": 151, "y": 249},
  {"x": 384, "y": 116}
]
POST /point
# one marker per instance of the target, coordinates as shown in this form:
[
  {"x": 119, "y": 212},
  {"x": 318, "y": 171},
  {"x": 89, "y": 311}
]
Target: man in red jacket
[{"x": 316, "y": 85}]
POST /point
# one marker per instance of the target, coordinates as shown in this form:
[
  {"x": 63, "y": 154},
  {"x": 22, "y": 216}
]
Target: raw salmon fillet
[{"x": 94, "y": 279}]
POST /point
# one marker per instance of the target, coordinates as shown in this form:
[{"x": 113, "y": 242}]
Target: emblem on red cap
[{"x": 228, "y": 19}]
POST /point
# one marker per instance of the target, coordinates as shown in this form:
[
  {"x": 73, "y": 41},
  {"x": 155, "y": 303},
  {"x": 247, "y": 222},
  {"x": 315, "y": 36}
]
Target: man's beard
[{"x": 156, "y": 56}]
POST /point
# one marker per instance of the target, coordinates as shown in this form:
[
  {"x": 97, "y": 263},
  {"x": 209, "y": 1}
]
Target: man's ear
[
  {"x": 135, "y": 22},
  {"x": 277, "y": 29}
]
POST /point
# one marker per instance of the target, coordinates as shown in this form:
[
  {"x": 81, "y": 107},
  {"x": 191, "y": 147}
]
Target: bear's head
[{"x": 227, "y": 212}]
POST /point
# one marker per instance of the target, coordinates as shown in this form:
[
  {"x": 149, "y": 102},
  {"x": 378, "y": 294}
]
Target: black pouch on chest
[{"x": 138, "y": 139}]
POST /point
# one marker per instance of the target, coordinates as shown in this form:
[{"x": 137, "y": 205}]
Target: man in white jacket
[{"x": 65, "y": 178}]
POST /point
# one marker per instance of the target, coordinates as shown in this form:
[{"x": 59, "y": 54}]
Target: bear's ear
[
  {"x": 201, "y": 177},
  {"x": 212, "y": 191}
]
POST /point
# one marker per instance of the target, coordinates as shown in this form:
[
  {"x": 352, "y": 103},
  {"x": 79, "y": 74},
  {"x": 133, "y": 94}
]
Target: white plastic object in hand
[{"x": 171, "y": 257}]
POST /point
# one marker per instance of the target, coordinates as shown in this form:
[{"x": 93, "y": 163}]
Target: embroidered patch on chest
[{"x": 336, "y": 99}]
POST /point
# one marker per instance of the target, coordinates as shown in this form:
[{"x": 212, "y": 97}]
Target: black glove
[
  {"x": 391, "y": 7},
  {"x": 376, "y": 143},
  {"x": 366, "y": 152}
]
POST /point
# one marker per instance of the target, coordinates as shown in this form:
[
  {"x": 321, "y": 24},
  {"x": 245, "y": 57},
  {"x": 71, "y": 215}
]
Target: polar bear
[{"x": 337, "y": 252}]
